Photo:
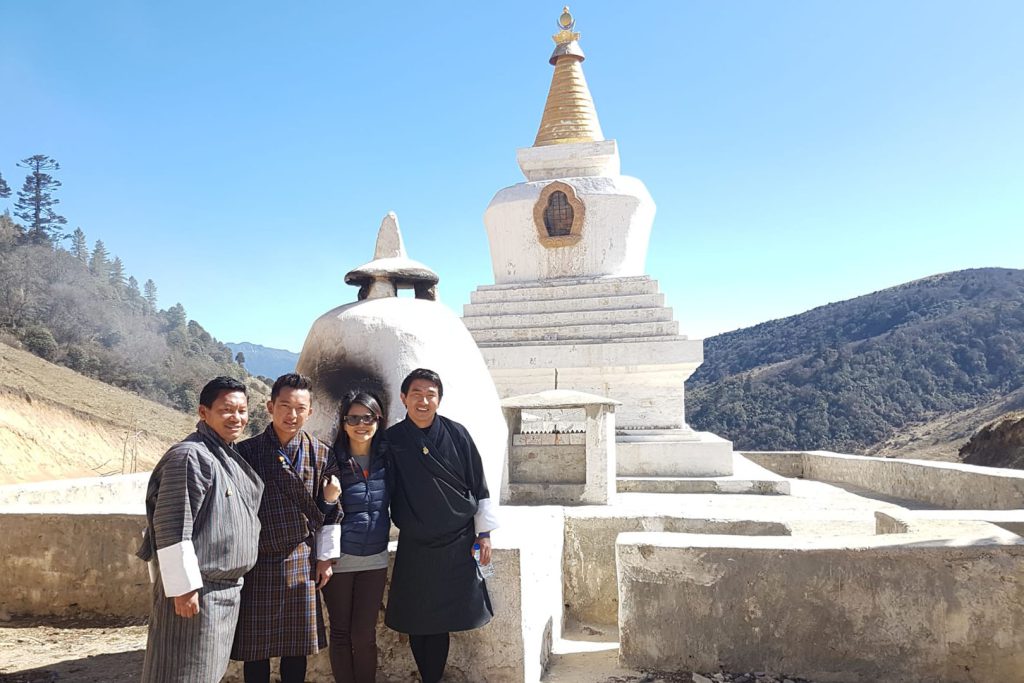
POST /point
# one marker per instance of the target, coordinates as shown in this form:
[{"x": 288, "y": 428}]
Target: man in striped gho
[{"x": 201, "y": 538}]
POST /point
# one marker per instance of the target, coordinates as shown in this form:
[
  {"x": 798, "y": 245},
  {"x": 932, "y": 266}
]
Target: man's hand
[
  {"x": 332, "y": 489},
  {"x": 186, "y": 605},
  {"x": 324, "y": 572},
  {"x": 485, "y": 549}
]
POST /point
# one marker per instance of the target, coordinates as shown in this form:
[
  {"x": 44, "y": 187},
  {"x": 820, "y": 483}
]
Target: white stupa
[
  {"x": 571, "y": 306},
  {"x": 371, "y": 344}
]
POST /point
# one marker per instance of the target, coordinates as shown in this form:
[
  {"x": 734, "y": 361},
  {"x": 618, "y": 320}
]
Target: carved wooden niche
[{"x": 558, "y": 215}]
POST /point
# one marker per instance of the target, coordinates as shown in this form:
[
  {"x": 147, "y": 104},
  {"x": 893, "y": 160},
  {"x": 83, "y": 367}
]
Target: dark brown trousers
[{"x": 353, "y": 602}]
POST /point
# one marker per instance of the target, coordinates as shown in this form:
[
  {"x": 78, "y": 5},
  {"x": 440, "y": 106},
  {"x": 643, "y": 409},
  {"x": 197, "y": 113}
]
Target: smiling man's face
[
  {"x": 289, "y": 412},
  {"x": 422, "y": 401}
]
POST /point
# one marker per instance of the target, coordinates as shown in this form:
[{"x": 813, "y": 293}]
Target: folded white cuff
[
  {"x": 179, "y": 569},
  {"x": 328, "y": 542},
  {"x": 486, "y": 517}
]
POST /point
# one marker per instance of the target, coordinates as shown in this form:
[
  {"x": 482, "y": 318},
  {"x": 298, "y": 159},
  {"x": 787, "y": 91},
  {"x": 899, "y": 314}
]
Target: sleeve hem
[
  {"x": 179, "y": 569},
  {"x": 486, "y": 518},
  {"x": 328, "y": 542}
]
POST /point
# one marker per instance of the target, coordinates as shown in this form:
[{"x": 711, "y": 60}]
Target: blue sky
[{"x": 242, "y": 154}]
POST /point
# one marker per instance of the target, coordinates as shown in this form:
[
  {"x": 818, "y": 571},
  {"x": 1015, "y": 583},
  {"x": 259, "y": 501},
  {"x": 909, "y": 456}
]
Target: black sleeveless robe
[{"x": 437, "y": 479}]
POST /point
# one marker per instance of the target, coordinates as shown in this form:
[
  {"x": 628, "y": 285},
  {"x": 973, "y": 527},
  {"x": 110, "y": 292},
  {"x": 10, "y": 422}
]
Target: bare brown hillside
[
  {"x": 57, "y": 424},
  {"x": 942, "y": 437}
]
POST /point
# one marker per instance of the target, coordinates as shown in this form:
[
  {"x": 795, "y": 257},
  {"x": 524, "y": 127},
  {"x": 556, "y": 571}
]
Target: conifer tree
[
  {"x": 36, "y": 201},
  {"x": 133, "y": 288},
  {"x": 79, "y": 249},
  {"x": 115, "y": 273},
  {"x": 5, "y": 189},
  {"x": 149, "y": 291},
  {"x": 99, "y": 263}
]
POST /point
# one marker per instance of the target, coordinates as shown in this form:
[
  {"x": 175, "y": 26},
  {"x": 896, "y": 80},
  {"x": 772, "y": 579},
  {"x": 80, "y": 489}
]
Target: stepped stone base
[
  {"x": 657, "y": 454},
  {"x": 761, "y": 487}
]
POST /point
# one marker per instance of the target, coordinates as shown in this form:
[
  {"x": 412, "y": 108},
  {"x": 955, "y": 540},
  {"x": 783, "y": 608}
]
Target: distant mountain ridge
[
  {"x": 264, "y": 360},
  {"x": 852, "y": 375}
]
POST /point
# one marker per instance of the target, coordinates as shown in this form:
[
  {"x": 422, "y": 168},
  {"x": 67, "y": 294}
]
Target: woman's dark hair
[{"x": 366, "y": 400}]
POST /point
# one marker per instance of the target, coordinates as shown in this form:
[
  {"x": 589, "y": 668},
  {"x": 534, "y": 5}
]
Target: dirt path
[{"x": 46, "y": 650}]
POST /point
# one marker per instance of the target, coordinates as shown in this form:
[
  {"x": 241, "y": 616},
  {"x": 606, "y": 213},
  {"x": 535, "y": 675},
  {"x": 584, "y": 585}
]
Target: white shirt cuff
[
  {"x": 179, "y": 569},
  {"x": 328, "y": 542},
  {"x": 486, "y": 517}
]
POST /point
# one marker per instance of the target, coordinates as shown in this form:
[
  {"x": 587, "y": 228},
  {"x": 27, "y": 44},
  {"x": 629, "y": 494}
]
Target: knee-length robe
[
  {"x": 202, "y": 531},
  {"x": 281, "y": 614},
  {"x": 438, "y": 481}
]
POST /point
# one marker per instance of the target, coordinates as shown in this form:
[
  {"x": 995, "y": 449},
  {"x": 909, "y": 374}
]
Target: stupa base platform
[{"x": 672, "y": 453}]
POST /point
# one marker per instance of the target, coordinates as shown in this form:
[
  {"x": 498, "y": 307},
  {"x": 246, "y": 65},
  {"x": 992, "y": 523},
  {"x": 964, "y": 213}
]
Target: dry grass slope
[{"x": 57, "y": 424}]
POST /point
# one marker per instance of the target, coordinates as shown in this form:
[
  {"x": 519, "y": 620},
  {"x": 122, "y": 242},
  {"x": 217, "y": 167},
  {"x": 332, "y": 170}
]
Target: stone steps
[
  {"x": 667, "y": 339},
  {"x": 566, "y": 305},
  {"x": 564, "y": 289},
  {"x": 621, "y": 316},
  {"x": 563, "y": 333}
]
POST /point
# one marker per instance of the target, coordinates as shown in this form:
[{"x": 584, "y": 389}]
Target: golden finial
[
  {"x": 569, "y": 114},
  {"x": 566, "y": 23}
]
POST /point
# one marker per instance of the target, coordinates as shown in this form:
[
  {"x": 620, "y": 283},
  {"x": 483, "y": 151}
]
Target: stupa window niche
[{"x": 558, "y": 215}]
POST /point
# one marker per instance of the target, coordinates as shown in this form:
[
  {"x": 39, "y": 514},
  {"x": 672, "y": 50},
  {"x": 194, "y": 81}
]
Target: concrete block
[
  {"x": 588, "y": 564},
  {"x": 884, "y": 609},
  {"x": 708, "y": 456},
  {"x": 569, "y": 303}
]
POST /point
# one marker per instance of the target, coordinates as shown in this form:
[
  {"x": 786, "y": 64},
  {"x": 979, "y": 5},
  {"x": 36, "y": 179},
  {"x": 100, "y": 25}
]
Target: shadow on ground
[{"x": 120, "y": 667}]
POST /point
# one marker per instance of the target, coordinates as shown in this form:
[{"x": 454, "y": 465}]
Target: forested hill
[
  {"x": 78, "y": 306},
  {"x": 850, "y": 375}
]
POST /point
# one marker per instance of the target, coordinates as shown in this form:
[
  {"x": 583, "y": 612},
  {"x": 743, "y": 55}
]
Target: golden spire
[{"x": 569, "y": 114}]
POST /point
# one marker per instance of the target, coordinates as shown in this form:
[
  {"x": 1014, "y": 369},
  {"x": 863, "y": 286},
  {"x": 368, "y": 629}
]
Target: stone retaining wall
[
  {"x": 885, "y": 609},
  {"x": 57, "y": 562}
]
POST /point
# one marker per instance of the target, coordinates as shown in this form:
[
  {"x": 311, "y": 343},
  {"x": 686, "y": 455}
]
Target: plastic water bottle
[{"x": 486, "y": 570}]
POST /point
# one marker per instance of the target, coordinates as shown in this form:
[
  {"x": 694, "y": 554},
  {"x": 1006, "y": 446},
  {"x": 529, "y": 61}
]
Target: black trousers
[
  {"x": 293, "y": 670},
  {"x": 431, "y": 655}
]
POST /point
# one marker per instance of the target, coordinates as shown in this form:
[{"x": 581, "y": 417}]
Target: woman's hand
[{"x": 332, "y": 490}]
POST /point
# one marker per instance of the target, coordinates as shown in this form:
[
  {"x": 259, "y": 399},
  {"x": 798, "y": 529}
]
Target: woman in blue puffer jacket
[{"x": 354, "y": 592}]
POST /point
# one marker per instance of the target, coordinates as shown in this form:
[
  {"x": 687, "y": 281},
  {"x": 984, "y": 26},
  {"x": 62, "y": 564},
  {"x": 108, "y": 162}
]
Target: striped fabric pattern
[
  {"x": 200, "y": 491},
  {"x": 281, "y": 614}
]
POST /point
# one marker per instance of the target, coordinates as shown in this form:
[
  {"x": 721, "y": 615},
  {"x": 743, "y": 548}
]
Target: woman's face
[{"x": 361, "y": 432}]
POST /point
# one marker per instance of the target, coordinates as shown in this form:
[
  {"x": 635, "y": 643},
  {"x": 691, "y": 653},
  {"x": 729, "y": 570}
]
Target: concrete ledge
[
  {"x": 588, "y": 563},
  {"x": 942, "y": 484},
  {"x": 952, "y": 522},
  {"x": 884, "y": 609},
  {"x": 91, "y": 491}
]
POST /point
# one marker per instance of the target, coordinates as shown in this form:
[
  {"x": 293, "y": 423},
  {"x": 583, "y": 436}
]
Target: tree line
[
  {"x": 79, "y": 307},
  {"x": 849, "y": 375}
]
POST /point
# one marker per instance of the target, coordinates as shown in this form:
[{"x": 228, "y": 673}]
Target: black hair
[
  {"x": 292, "y": 380},
  {"x": 368, "y": 401},
  {"x": 423, "y": 373},
  {"x": 217, "y": 386}
]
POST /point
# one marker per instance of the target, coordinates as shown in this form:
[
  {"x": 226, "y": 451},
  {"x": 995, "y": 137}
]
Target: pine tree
[
  {"x": 79, "y": 249},
  {"x": 99, "y": 263},
  {"x": 240, "y": 358},
  {"x": 133, "y": 288},
  {"x": 5, "y": 189},
  {"x": 36, "y": 201},
  {"x": 116, "y": 273},
  {"x": 149, "y": 292}
]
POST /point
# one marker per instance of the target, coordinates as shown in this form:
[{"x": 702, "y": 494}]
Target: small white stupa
[
  {"x": 374, "y": 342},
  {"x": 572, "y": 306}
]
